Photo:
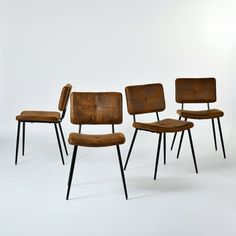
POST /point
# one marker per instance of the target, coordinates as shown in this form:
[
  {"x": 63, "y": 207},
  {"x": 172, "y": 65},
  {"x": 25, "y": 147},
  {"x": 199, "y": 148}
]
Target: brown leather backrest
[
  {"x": 195, "y": 90},
  {"x": 96, "y": 108},
  {"x": 65, "y": 94},
  {"x": 145, "y": 98}
]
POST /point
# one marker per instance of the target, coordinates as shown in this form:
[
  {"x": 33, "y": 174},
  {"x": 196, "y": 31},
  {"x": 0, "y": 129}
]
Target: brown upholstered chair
[
  {"x": 198, "y": 90},
  {"x": 96, "y": 108},
  {"x": 149, "y": 98},
  {"x": 54, "y": 117}
]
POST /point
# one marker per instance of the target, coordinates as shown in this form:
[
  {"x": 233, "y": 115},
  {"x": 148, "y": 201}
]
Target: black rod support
[
  {"x": 17, "y": 141},
  {"x": 180, "y": 143},
  {"x": 130, "y": 149},
  {"x": 122, "y": 171},
  {"x": 59, "y": 143},
  {"x": 63, "y": 138},
  {"x": 221, "y": 137},
  {"x": 214, "y": 133},
  {"x": 23, "y": 140},
  {"x": 164, "y": 147},
  {"x": 71, "y": 171},
  {"x": 157, "y": 155},
  {"x": 173, "y": 141},
  {"x": 192, "y": 149}
]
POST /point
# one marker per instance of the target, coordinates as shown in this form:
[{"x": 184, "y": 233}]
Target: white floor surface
[{"x": 179, "y": 202}]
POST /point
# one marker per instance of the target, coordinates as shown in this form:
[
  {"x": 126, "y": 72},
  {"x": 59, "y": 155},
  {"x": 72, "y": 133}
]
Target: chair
[
  {"x": 54, "y": 117},
  {"x": 198, "y": 90},
  {"x": 98, "y": 108},
  {"x": 149, "y": 98}
]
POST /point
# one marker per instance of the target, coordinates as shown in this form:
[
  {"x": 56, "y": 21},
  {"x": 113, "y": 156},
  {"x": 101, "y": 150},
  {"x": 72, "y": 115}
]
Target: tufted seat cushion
[
  {"x": 39, "y": 116},
  {"x": 202, "y": 114},
  {"x": 165, "y": 126},
  {"x": 96, "y": 140}
]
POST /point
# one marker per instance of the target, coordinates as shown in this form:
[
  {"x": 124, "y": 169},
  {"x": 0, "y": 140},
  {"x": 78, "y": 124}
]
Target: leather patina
[
  {"x": 47, "y": 116},
  {"x": 96, "y": 108}
]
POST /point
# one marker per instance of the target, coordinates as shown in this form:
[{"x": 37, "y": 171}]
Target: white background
[{"x": 104, "y": 46}]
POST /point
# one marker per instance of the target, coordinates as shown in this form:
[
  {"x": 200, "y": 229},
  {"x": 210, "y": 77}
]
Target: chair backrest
[
  {"x": 64, "y": 98},
  {"x": 195, "y": 90},
  {"x": 145, "y": 98},
  {"x": 96, "y": 108}
]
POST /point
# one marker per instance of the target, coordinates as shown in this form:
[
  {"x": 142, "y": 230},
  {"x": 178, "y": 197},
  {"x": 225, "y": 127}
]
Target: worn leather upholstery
[
  {"x": 195, "y": 90},
  {"x": 101, "y": 140},
  {"x": 96, "y": 108},
  {"x": 54, "y": 117},
  {"x": 65, "y": 94},
  {"x": 202, "y": 114},
  {"x": 166, "y": 126},
  {"x": 145, "y": 98},
  {"x": 47, "y": 116},
  {"x": 43, "y": 116},
  {"x": 149, "y": 98},
  {"x": 199, "y": 90}
]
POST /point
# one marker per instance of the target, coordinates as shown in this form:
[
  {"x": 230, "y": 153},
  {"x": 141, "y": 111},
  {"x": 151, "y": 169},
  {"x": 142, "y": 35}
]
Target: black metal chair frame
[
  {"x": 73, "y": 165},
  {"x": 57, "y": 135},
  {"x": 159, "y": 146},
  {"x": 23, "y": 138},
  {"x": 214, "y": 134}
]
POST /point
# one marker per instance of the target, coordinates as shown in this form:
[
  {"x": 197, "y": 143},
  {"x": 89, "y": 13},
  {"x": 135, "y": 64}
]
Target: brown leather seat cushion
[
  {"x": 94, "y": 140},
  {"x": 39, "y": 116},
  {"x": 203, "y": 114},
  {"x": 165, "y": 126}
]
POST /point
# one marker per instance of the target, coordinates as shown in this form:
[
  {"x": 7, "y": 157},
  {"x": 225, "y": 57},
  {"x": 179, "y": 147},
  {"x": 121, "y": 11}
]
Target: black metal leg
[
  {"x": 63, "y": 138},
  {"x": 164, "y": 147},
  {"x": 221, "y": 137},
  {"x": 157, "y": 156},
  {"x": 192, "y": 149},
  {"x": 59, "y": 143},
  {"x": 17, "y": 141},
  {"x": 71, "y": 171},
  {"x": 121, "y": 171},
  {"x": 214, "y": 133},
  {"x": 130, "y": 149},
  {"x": 173, "y": 141},
  {"x": 180, "y": 143},
  {"x": 23, "y": 140}
]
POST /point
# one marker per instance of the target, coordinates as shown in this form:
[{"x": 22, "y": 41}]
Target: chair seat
[
  {"x": 94, "y": 140},
  {"x": 164, "y": 126},
  {"x": 39, "y": 116},
  {"x": 202, "y": 114}
]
